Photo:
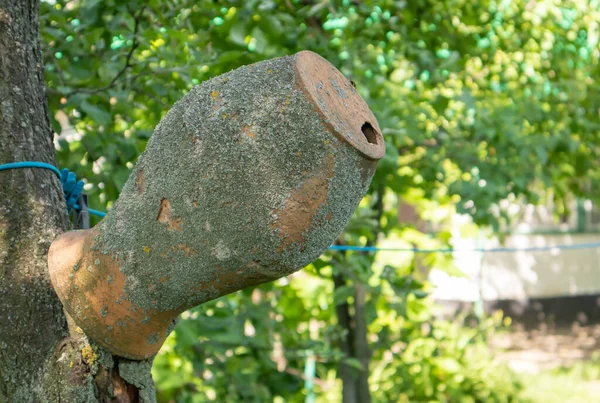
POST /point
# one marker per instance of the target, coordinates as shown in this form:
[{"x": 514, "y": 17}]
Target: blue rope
[
  {"x": 92, "y": 211},
  {"x": 591, "y": 245},
  {"x": 72, "y": 188},
  {"x": 17, "y": 165}
]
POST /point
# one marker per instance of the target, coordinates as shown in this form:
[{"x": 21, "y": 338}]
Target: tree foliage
[{"x": 479, "y": 102}]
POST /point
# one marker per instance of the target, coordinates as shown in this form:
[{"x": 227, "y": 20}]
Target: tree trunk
[
  {"x": 346, "y": 372},
  {"x": 39, "y": 360},
  {"x": 361, "y": 343},
  {"x": 354, "y": 344}
]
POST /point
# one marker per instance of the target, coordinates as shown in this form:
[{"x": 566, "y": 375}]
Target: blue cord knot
[{"x": 72, "y": 188}]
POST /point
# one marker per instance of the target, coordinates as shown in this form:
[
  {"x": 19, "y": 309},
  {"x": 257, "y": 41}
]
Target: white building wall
[{"x": 521, "y": 275}]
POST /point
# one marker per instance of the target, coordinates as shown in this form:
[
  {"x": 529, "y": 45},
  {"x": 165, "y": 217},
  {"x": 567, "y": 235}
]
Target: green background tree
[{"x": 479, "y": 102}]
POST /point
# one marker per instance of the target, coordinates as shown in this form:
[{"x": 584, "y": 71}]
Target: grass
[{"x": 579, "y": 383}]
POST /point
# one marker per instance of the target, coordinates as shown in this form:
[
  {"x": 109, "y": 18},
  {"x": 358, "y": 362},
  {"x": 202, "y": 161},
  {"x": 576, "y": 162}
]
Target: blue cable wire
[
  {"x": 92, "y": 211},
  {"x": 17, "y": 165},
  {"x": 591, "y": 245},
  {"x": 72, "y": 189}
]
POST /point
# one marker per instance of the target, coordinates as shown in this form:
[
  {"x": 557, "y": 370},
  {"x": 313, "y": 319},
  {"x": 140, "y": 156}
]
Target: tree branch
[{"x": 118, "y": 77}]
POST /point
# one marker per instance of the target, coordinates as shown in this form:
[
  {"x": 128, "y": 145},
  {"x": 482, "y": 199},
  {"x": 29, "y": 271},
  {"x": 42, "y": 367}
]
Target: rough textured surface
[
  {"x": 81, "y": 371},
  {"x": 137, "y": 373},
  {"x": 246, "y": 180},
  {"x": 342, "y": 111},
  {"x": 39, "y": 360},
  {"x": 31, "y": 213}
]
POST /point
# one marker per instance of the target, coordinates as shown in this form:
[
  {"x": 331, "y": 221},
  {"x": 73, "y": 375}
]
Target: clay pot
[{"x": 248, "y": 178}]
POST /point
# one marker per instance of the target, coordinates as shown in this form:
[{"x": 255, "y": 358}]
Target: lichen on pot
[{"x": 248, "y": 178}]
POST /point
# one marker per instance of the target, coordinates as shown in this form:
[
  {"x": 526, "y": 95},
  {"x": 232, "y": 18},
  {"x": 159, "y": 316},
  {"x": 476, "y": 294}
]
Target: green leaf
[
  {"x": 448, "y": 364},
  {"x": 542, "y": 154},
  {"x": 102, "y": 116},
  {"x": 341, "y": 295},
  {"x": 89, "y": 4},
  {"x": 261, "y": 40},
  {"x": 237, "y": 33},
  {"x": 271, "y": 25},
  {"x": 354, "y": 363}
]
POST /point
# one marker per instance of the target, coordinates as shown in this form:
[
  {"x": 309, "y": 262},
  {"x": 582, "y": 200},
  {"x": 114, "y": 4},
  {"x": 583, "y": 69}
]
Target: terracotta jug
[{"x": 248, "y": 178}]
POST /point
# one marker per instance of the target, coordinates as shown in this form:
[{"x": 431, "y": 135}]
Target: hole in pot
[{"x": 369, "y": 132}]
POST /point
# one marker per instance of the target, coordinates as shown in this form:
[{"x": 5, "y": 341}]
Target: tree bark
[
  {"x": 346, "y": 372},
  {"x": 39, "y": 360},
  {"x": 31, "y": 208},
  {"x": 361, "y": 343},
  {"x": 354, "y": 344}
]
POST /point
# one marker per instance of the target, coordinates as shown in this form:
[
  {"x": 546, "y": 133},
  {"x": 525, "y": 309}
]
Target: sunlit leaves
[{"x": 478, "y": 102}]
